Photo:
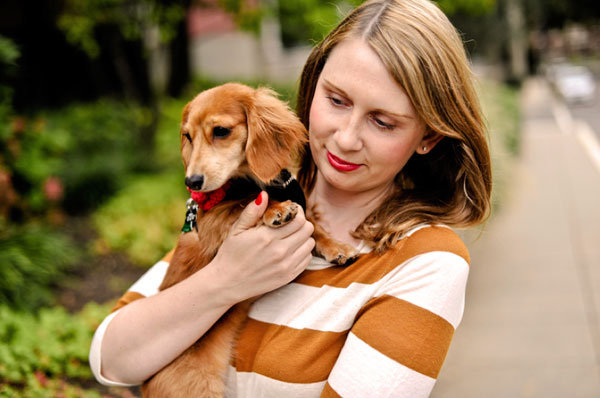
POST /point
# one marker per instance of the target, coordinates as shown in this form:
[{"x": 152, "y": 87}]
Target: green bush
[
  {"x": 306, "y": 22},
  {"x": 100, "y": 149},
  {"x": 9, "y": 53},
  {"x": 502, "y": 111},
  {"x": 32, "y": 260},
  {"x": 144, "y": 219},
  {"x": 87, "y": 149},
  {"x": 46, "y": 354}
]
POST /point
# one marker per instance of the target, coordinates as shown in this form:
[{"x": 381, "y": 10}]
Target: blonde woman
[{"x": 397, "y": 156}]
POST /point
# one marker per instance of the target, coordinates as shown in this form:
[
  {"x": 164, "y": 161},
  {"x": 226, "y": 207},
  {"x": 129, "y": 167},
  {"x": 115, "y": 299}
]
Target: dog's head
[{"x": 237, "y": 131}]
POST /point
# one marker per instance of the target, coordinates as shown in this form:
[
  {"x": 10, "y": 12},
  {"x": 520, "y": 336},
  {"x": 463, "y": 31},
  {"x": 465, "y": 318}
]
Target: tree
[
  {"x": 109, "y": 25},
  {"x": 146, "y": 40},
  {"x": 470, "y": 7}
]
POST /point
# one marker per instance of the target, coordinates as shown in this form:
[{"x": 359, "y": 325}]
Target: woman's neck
[{"x": 340, "y": 212}]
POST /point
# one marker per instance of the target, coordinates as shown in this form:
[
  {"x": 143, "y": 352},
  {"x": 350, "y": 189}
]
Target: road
[
  {"x": 581, "y": 120},
  {"x": 589, "y": 112}
]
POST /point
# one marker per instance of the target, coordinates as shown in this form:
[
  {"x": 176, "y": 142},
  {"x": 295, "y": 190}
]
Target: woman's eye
[
  {"x": 335, "y": 101},
  {"x": 383, "y": 125},
  {"x": 220, "y": 132},
  {"x": 187, "y": 135}
]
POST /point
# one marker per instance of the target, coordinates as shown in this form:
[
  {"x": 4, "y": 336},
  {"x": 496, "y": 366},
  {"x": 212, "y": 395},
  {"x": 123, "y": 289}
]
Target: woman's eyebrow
[
  {"x": 393, "y": 114},
  {"x": 332, "y": 86}
]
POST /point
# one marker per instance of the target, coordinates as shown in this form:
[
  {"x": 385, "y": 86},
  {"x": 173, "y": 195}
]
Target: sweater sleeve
[
  {"x": 400, "y": 337},
  {"x": 146, "y": 286}
]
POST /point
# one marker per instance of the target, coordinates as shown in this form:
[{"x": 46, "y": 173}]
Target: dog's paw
[
  {"x": 337, "y": 253},
  {"x": 280, "y": 213}
]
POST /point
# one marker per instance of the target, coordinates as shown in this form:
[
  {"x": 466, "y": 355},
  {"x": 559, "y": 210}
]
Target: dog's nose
[{"x": 195, "y": 182}]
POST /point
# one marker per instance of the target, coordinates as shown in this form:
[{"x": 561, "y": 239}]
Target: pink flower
[{"x": 53, "y": 189}]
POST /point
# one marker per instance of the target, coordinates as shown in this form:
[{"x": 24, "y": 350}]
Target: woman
[{"x": 397, "y": 154}]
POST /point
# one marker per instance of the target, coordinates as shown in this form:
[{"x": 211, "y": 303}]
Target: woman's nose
[{"x": 348, "y": 135}]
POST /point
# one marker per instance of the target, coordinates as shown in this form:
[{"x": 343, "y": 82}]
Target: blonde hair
[{"x": 423, "y": 52}]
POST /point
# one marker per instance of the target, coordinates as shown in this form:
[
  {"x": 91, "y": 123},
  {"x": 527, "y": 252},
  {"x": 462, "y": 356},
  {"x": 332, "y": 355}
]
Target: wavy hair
[{"x": 423, "y": 52}]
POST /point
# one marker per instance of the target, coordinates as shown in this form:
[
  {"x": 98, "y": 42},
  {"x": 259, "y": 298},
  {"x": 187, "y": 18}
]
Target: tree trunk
[{"x": 517, "y": 41}]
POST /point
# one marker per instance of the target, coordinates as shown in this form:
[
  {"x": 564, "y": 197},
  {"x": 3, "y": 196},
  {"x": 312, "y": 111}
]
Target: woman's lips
[{"x": 340, "y": 164}]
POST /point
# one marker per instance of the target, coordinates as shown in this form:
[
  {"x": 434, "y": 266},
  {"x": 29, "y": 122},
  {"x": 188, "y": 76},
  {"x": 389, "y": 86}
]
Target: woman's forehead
[{"x": 354, "y": 68}]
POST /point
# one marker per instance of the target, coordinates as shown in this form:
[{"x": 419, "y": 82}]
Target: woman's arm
[{"x": 149, "y": 333}]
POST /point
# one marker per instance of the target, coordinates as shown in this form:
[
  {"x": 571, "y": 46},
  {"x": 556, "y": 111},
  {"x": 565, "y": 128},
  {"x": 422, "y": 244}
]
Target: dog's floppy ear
[
  {"x": 275, "y": 135},
  {"x": 184, "y": 119}
]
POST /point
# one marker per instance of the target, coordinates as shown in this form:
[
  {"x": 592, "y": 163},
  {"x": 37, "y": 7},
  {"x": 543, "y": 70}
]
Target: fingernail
[{"x": 258, "y": 200}]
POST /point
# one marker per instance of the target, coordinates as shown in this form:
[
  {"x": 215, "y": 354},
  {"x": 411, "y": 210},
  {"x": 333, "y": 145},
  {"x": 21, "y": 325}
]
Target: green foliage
[
  {"x": 245, "y": 16},
  {"x": 46, "y": 353},
  {"x": 501, "y": 107},
  {"x": 144, "y": 219},
  {"x": 308, "y": 21},
  {"x": 167, "y": 142},
  {"x": 32, "y": 259},
  {"x": 82, "y": 152},
  {"x": 134, "y": 18},
  {"x": 9, "y": 53},
  {"x": 301, "y": 21},
  {"x": 102, "y": 141},
  {"x": 501, "y": 104},
  {"x": 145, "y": 216},
  {"x": 471, "y": 7}
]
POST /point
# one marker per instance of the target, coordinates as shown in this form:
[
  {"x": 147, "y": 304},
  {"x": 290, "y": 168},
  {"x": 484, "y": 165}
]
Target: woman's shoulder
[
  {"x": 430, "y": 238},
  {"x": 427, "y": 247},
  {"x": 431, "y": 245}
]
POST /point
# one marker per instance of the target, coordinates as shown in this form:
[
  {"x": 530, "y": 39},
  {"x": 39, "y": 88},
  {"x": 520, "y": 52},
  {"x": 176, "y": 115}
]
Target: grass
[{"x": 502, "y": 110}]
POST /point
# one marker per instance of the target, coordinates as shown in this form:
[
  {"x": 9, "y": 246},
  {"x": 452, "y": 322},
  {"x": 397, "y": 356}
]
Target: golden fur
[{"x": 264, "y": 136}]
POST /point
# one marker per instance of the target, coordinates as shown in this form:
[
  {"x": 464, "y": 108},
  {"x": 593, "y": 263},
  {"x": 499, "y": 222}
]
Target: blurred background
[{"x": 91, "y": 190}]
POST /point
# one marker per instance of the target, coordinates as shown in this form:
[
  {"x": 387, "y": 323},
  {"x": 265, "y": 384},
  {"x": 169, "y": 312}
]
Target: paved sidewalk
[{"x": 532, "y": 320}]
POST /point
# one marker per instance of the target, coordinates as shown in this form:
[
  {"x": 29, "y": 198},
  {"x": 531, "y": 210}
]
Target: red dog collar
[{"x": 208, "y": 200}]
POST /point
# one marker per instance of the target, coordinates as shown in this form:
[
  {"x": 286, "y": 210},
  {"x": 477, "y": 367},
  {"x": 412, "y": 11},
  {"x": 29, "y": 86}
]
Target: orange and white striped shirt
[{"x": 380, "y": 327}]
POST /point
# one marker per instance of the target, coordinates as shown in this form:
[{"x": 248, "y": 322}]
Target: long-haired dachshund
[{"x": 235, "y": 142}]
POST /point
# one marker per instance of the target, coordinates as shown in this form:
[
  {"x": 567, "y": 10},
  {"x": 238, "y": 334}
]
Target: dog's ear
[
  {"x": 184, "y": 118},
  {"x": 275, "y": 135}
]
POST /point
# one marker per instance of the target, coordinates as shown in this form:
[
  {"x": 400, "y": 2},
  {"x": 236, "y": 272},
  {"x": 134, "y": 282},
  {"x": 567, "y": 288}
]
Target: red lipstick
[{"x": 341, "y": 165}]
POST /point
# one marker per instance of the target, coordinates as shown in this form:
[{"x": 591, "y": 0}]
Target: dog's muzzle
[{"x": 195, "y": 182}]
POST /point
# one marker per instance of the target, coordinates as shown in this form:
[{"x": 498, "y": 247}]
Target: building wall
[{"x": 218, "y": 50}]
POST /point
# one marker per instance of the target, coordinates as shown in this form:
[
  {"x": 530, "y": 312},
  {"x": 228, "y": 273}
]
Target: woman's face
[{"x": 363, "y": 128}]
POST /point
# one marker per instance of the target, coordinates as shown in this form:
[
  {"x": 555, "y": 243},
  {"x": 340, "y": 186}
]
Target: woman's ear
[
  {"x": 275, "y": 135},
  {"x": 429, "y": 141}
]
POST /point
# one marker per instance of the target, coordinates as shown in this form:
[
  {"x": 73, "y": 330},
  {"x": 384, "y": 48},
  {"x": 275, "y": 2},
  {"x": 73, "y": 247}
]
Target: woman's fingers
[{"x": 250, "y": 215}]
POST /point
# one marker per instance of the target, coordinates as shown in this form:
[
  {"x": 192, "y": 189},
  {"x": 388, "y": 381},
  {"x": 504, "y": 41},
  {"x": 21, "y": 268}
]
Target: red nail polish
[{"x": 258, "y": 200}]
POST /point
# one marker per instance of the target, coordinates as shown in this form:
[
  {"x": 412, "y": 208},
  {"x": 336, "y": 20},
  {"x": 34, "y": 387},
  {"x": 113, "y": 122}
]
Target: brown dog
[{"x": 240, "y": 138}]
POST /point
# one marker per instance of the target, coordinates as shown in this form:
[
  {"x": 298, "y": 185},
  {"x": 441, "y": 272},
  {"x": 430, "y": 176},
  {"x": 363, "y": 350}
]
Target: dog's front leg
[{"x": 280, "y": 213}]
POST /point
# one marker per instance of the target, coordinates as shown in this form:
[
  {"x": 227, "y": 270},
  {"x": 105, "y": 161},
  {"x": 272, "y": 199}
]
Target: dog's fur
[{"x": 264, "y": 137}]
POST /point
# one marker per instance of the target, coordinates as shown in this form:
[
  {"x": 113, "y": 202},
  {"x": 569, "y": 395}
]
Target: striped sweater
[{"x": 380, "y": 327}]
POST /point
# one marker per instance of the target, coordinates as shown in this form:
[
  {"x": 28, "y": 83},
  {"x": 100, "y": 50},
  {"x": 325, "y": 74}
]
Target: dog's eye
[
  {"x": 221, "y": 132},
  {"x": 187, "y": 135}
]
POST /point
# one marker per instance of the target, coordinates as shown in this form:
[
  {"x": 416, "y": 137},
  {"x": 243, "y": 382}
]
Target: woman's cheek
[{"x": 317, "y": 121}]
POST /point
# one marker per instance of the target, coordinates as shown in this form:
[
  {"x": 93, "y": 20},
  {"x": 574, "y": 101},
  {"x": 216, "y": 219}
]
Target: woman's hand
[
  {"x": 149, "y": 333},
  {"x": 254, "y": 260}
]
